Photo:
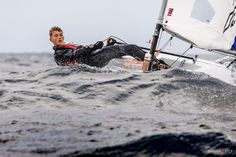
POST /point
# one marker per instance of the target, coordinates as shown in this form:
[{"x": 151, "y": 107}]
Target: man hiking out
[{"x": 96, "y": 55}]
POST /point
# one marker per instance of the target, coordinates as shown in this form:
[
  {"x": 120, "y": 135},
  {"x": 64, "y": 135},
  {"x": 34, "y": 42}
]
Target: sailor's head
[{"x": 56, "y": 35}]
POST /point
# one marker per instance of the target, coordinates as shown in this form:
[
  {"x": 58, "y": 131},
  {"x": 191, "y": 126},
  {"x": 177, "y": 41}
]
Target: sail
[{"x": 208, "y": 24}]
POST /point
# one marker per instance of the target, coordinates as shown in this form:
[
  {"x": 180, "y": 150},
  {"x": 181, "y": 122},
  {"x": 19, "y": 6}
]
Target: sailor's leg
[
  {"x": 139, "y": 54},
  {"x": 101, "y": 57},
  {"x": 133, "y": 50}
]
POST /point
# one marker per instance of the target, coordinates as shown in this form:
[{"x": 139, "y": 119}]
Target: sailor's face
[{"x": 57, "y": 38}]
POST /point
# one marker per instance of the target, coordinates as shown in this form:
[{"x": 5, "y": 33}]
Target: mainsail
[{"x": 208, "y": 24}]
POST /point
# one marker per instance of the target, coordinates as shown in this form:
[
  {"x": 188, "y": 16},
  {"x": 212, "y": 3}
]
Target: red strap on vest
[{"x": 67, "y": 46}]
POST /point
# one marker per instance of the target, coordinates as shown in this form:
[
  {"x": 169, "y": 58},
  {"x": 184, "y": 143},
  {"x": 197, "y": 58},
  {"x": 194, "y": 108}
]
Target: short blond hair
[{"x": 54, "y": 28}]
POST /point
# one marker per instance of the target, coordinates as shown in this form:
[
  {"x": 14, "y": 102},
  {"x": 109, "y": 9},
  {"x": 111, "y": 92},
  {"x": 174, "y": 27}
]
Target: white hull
[{"x": 216, "y": 70}]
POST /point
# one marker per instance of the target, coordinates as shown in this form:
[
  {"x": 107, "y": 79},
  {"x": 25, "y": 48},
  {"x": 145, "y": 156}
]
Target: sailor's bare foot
[{"x": 163, "y": 66}]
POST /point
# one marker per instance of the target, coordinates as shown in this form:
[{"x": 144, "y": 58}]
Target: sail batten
[{"x": 209, "y": 24}]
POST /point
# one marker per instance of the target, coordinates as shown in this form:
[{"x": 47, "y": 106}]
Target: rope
[
  {"x": 181, "y": 55},
  {"x": 167, "y": 43},
  {"x": 116, "y": 39},
  {"x": 232, "y": 62}
]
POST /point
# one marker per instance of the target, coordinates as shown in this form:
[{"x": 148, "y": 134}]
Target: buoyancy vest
[
  {"x": 64, "y": 54},
  {"x": 67, "y": 46}
]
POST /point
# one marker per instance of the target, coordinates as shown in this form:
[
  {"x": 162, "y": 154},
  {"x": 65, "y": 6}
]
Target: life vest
[
  {"x": 67, "y": 46},
  {"x": 70, "y": 62}
]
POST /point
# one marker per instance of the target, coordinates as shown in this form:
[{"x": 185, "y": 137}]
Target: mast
[{"x": 157, "y": 31}]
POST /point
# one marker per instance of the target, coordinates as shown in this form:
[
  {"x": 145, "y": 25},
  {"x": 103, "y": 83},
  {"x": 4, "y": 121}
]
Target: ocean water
[{"x": 50, "y": 111}]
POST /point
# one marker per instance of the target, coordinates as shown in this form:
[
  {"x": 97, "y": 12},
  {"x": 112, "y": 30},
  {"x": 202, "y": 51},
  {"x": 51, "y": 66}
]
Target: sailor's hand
[
  {"x": 110, "y": 41},
  {"x": 157, "y": 52}
]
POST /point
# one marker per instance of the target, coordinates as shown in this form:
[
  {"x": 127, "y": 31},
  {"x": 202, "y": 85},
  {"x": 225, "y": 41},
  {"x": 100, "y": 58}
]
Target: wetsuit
[{"x": 96, "y": 55}]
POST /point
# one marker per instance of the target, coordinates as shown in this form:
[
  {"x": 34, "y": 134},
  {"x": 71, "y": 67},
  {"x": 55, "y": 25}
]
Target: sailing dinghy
[{"x": 204, "y": 24}]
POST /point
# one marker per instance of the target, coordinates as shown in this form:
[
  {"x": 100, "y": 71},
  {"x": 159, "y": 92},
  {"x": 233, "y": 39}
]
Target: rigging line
[
  {"x": 105, "y": 40},
  {"x": 114, "y": 38},
  {"x": 167, "y": 43},
  {"x": 181, "y": 55},
  {"x": 231, "y": 63},
  {"x": 118, "y": 39}
]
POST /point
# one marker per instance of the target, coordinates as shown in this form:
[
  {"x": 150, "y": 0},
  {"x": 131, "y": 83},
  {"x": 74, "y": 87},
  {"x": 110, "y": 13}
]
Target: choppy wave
[{"x": 48, "y": 110}]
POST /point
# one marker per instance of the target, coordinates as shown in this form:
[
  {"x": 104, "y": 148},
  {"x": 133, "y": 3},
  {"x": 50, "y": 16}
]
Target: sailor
[{"x": 96, "y": 54}]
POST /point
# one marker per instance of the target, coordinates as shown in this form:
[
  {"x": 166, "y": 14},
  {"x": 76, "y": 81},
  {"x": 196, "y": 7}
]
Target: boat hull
[{"x": 214, "y": 69}]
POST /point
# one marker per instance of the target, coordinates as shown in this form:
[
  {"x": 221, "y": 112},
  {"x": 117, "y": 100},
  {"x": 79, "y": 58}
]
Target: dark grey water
[{"x": 82, "y": 111}]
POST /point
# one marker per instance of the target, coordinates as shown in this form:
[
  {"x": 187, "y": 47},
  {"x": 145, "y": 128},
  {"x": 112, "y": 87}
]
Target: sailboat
[{"x": 204, "y": 24}]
